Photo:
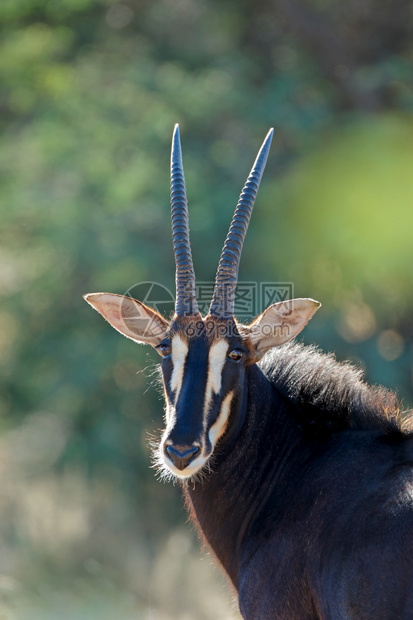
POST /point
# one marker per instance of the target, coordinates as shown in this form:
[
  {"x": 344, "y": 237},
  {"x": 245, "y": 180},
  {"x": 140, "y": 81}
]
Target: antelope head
[{"x": 204, "y": 359}]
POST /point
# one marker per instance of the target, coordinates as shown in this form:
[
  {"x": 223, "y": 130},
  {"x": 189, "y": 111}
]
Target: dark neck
[{"x": 250, "y": 462}]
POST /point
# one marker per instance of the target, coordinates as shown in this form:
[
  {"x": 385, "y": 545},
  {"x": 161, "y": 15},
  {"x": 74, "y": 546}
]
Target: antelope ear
[
  {"x": 130, "y": 317},
  {"x": 280, "y": 323}
]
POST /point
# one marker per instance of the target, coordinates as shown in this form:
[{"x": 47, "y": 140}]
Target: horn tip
[
  {"x": 176, "y": 155},
  {"x": 264, "y": 152},
  {"x": 176, "y": 136},
  {"x": 268, "y": 137}
]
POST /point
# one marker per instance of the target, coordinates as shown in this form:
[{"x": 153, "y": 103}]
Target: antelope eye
[
  {"x": 164, "y": 349},
  {"x": 235, "y": 355}
]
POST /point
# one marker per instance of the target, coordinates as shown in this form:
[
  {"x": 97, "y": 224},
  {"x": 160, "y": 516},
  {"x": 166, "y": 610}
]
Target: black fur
[
  {"x": 330, "y": 396},
  {"x": 312, "y": 525}
]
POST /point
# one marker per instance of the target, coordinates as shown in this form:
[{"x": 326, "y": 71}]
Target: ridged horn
[
  {"x": 186, "y": 303},
  {"x": 223, "y": 299}
]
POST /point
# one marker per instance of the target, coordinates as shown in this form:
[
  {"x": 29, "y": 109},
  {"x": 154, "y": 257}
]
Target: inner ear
[
  {"x": 280, "y": 323},
  {"x": 130, "y": 317}
]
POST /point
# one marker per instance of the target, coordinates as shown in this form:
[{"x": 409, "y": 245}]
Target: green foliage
[
  {"x": 90, "y": 91},
  {"x": 349, "y": 205}
]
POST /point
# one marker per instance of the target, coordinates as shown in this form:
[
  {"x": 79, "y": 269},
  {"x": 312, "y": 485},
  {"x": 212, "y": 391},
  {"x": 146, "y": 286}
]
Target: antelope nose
[{"x": 181, "y": 456}]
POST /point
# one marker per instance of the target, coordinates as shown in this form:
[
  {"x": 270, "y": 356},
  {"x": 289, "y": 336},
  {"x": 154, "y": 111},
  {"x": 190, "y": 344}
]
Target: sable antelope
[{"x": 302, "y": 474}]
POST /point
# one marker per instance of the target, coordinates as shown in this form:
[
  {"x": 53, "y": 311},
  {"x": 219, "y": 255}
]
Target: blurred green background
[{"x": 89, "y": 93}]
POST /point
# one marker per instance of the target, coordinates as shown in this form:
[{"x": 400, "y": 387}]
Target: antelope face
[
  {"x": 203, "y": 367},
  {"x": 204, "y": 360}
]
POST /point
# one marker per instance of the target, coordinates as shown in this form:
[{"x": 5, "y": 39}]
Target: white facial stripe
[
  {"x": 219, "y": 426},
  {"x": 179, "y": 353},
  {"x": 170, "y": 413},
  {"x": 216, "y": 361}
]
